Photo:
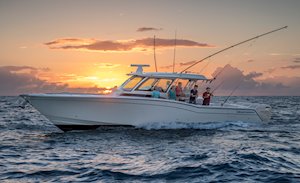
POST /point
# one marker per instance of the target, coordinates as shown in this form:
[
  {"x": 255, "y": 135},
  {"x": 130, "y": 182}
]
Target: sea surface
[{"x": 34, "y": 150}]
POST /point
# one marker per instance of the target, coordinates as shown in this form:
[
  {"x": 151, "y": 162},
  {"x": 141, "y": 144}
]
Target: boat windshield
[
  {"x": 147, "y": 85},
  {"x": 164, "y": 84},
  {"x": 132, "y": 83}
]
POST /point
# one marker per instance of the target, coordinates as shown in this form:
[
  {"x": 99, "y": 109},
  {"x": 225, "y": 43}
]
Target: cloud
[
  {"x": 107, "y": 65},
  {"x": 180, "y": 64},
  {"x": 296, "y": 60},
  {"x": 15, "y": 83},
  {"x": 253, "y": 75},
  {"x": 167, "y": 66},
  {"x": 284, "y": 54},
  {"x": 120, "y": 45},
  {"x": 276, "y": 54},
  {"x": 249, "y": 85},
  {"x": 271, "y": 70},
  {"x": 18, "y": 68},
  {"x": 250, "y": 60},
  {"x": 68, "y": 40},
  {"x": 24, "y": 69},
  {"x": 144, "y": 29},
  {"x": 291, "y": 67}
]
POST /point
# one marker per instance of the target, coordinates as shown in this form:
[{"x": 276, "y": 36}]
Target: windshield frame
[{"x": 134, "y": 85}]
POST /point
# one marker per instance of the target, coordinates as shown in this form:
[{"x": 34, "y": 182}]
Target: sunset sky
[{"x": 87, "y": 46}]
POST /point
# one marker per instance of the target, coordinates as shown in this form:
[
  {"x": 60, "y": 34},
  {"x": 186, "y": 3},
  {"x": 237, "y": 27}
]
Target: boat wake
[{"x": 192, "y": 125}]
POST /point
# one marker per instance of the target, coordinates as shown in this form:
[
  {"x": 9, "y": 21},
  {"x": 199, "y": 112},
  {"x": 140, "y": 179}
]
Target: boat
[{"x": 132, "y": 105}]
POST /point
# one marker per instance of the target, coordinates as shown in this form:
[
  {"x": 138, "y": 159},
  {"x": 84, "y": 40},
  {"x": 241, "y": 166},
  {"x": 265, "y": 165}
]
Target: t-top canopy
[{"x": 170, "y": 75}]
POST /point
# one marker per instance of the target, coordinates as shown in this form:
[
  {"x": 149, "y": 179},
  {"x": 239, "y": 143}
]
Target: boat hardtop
[{"x": 168, "y": 75}]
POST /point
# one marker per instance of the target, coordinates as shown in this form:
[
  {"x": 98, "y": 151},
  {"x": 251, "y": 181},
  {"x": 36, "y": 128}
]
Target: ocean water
[{"x": 34, "y": 150}]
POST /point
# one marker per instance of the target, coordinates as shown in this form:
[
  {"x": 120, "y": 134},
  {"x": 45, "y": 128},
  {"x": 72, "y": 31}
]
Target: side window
[
  {"x": 183, "y": 82},
  {"x": 132, "y": 83},
  {"x": 164, "y": 84},
  {"x": 147, "y": 85}
]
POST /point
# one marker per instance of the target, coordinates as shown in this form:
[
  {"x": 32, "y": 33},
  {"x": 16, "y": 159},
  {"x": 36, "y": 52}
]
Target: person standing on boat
[
  {"x": 172, "y": 93},
  {"x": 194, "y": 94},
  {"x": 206, "y": 96},
  {"x": 155, "y": 92},
  {"x": 179, "y": 92}
]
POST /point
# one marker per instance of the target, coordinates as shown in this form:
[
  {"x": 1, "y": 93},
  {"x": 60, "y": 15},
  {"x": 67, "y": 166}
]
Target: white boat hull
[{"x": 88, "y": 111}]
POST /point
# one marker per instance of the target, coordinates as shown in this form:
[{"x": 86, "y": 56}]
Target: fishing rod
[
  {"x": 232, "y": 46},
  {"x": 221, "y": 71},
  {"x": 228, "y": 63},
  {"x": 232, "y": 92}
]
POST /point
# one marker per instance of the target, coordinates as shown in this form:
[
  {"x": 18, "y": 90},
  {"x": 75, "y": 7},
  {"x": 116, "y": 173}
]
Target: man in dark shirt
[
  {"x": 206, "y": 96},
  {"x": 194, "y": 94}
]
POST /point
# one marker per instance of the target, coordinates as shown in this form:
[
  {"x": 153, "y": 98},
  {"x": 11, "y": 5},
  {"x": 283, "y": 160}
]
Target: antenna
[
  {"x": 154, "y": 54},
  {"x": 139, "y": 69},
  {"x": 174, "y": 56}
]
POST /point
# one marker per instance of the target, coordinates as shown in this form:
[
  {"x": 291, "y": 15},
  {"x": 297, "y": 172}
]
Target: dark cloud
[
  {"x": 271, "y": 70},
  {"x": 15, "y": 83},
  {"x": 297, "y": 60},
  {"x": 291, "y": 67},
  {"x": 21, "y": 68},
  {"x": 128, "y": 45},
  {"x": 143, "y": 29},
  {"x": 18, "y": 68},
  {"x": 253, "y": 75},
  {"x": 27, "y": 69},
  {"x": 249, "y": 85}
]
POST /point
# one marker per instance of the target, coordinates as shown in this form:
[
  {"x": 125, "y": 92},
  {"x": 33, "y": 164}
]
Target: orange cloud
[
  {"x": 291, "y": 67},
  {"x": 179, "y": 64},
  {"x": 69, "y": 41},
  {"x": 107, "y": 65},
  {"x": 120, "y": 45}
]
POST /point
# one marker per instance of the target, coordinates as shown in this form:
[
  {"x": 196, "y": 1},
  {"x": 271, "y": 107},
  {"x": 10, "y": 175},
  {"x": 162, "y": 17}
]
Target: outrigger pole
[
  {"x": 154, "y": 53},
  {"x": 174, "y": 51},
  {"x": 232, "y": 47}
]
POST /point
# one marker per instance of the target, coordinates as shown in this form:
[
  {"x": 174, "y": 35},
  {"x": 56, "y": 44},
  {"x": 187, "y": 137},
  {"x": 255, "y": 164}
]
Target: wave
[{"x": 194, "y": 125}]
